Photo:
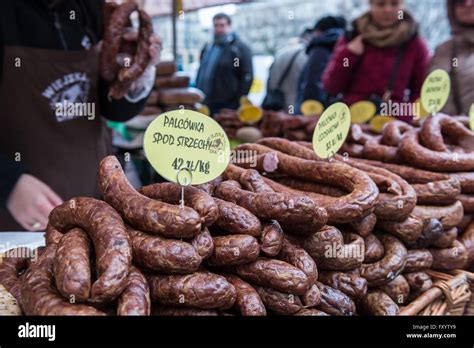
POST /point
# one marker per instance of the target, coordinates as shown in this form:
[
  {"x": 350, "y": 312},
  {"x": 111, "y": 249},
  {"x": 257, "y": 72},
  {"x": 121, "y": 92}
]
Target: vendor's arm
[
  {"x": 119, "y": 110},
  {"x": 135, "y": 100}
]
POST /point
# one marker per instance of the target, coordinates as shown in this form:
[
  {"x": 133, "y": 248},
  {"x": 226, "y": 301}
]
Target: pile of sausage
[
  {"x": 283, "y": 234},
  {"x": 272, "y": 124},
  {"x": 291, "y": 127},
  {"x": 152, "y": 252},
  {"x": 229, "y": 120},
  {"x": 171, "y": 91}
]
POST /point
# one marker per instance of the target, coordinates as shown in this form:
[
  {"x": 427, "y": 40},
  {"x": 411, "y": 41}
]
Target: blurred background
[{"x": 267, "y": 25}]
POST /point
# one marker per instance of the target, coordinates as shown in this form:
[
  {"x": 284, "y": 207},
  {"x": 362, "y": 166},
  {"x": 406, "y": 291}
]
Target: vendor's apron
[{"x": 61, "y": 150}]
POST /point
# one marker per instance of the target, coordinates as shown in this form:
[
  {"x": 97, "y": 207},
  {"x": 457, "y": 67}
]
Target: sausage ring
[
  {"x": 110, "y": 239},
  {"x": 194, "y": 198},
  {"x": 378, "y": 303},
  {"x": 451, "y": 258},
  {"x": 431, "y": 188},
  {"x": 418, "y": 260},
  {"x": 135, "y": 299},
  {"x": 398, "y": 289},
  {"x": 163, "y": 255},
  {"x": 297, "y": 212},
  {"x": 122, "y": 78},
  {"x": 201, "y": 290},
  {"x": 12, "y": 264},
  {"x": 449, "y": 216},
  {"x": 248, "y": 301},
  {"x": 40, "y": 297},
  {"x": 275, "y": 274},
  {"x": 350, "y": 283},
  {"x": 387, "y": 268},
  {"x": 415, "y": 153},
  {"x": 72, "y": 265},
  {"x": 353, "y": 206},
  {"x": 169, "y": 221}
]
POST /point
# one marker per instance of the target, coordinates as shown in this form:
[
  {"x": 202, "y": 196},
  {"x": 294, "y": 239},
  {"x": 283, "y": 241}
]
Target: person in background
[
  {"x": 286, "y": 70},
  {"x": 326, "y": 32},
  {"x": 457, "y": 57},
  {"x": 382, "y": 59},
  {"x": 226, "y": 71},
  {"x": 46, "y": 58}
]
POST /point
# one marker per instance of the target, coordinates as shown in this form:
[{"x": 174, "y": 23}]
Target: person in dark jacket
[
  {"x": 226, "y": 71},
  {"x": 326, "y": 33},
  {"x": 49, "y": 56}
]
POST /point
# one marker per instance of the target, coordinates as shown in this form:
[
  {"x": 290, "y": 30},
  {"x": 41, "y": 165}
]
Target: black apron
[{"x": 61, "y": 151}]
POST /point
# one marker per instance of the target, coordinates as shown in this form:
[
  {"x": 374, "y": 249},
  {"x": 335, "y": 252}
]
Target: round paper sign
[
  {"x": 435, "y": 91},
  {"x": 362, "y": 111},
  {"x": 331, "y": 130},
  {"x": 244, "y": 100},
  {"x": 379, "y": 121},
  {"x": 311, "y": 107},
  {"x": 250, "y": 114},
  {"x": 186, "y": 147},
  {"x": 204, "y": 109}
]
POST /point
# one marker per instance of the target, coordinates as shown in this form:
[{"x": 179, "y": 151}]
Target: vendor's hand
[
  {"x": 356, "y": 46},
  {"x": 155, "y": 45},
  {"x": 31, "y": 201},
  {"x": 141, "y": 87}
]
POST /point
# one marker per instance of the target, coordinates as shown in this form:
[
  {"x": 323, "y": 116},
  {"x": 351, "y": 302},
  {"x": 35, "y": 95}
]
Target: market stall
[
  {"x": 308, "y": 215},
  {"x": 295, "y": 234}
]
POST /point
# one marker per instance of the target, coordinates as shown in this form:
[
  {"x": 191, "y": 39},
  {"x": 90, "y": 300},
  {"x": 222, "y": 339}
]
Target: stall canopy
[
  {"x": 174, "y": 7},
  {"x": 165, "y": 7}
]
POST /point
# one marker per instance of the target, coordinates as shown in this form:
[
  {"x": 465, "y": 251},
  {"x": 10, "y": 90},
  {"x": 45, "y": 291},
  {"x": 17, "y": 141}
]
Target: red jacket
[{"x": 370, "y": 73}]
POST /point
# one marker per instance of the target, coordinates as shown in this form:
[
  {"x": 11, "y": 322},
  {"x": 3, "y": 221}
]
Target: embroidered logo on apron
[
  {"x": 86, "y": 42},
  {"x": 71, "y": 89}
]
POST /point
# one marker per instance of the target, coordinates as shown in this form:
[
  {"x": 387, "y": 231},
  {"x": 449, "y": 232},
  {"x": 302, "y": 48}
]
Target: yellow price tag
[
  {"x": 435, "y": 91},
  {"x": 186, "y": 147},
  {"x": 257, "y": 86},
  {"x": 362, "y": 111},
  {"x": 311, "y": 107},
  {"x": 471, "y": 117},
  {"x": 379, "y": 121},
  {"x": 331, "y": 130},
  {"x": 250, "y": 114},
  {"x": 204, "y": 109},
  {"x": 244, "y": 100}
]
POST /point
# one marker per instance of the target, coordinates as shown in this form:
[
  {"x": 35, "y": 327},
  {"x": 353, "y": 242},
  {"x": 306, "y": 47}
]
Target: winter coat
[
  {"x": 232, "y": 75},
  {"x": 360, "y": 77},
  {"x": 319, "y": 52},
  {"x": 289, "y": 86}
]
